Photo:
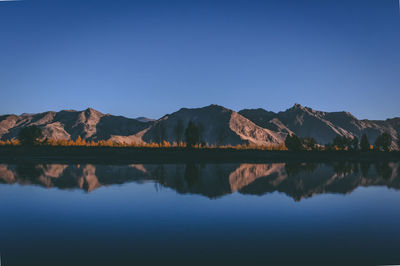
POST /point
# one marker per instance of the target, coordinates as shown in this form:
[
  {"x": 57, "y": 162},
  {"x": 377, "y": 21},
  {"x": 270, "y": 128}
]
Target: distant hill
[
  {"x": 144, "y": 119},
  {"x": 219, "y": 125}
]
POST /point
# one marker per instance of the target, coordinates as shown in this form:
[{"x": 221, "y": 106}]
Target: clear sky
[{"x": 149, "y": 58}]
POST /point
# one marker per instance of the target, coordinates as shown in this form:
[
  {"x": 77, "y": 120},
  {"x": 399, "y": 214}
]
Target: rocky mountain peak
[
  {"x": 90, "y": 111},
  {"x": 216, "y": 107},
  {"x": 297, "y": 106}
]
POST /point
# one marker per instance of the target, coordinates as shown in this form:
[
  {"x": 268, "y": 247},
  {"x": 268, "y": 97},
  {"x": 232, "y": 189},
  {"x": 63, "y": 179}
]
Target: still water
[{"x": 200, "y": 214}]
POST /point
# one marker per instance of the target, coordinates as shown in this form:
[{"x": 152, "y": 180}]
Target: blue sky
[{"x": 149, "y": 58}]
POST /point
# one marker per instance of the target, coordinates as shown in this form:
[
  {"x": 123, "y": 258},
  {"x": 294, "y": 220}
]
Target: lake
[{"x": 343, "y": 213}]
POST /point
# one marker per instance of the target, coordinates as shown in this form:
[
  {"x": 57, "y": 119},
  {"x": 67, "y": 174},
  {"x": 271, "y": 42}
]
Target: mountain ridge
[
  {"x": 219, "y": 125},
  {"x": 324, "y": 126}
]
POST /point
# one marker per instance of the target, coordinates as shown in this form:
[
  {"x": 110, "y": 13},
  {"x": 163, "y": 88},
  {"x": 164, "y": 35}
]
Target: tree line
[
  {"x": 382, "y": 143},
  {"x": 33, "y": 135}
]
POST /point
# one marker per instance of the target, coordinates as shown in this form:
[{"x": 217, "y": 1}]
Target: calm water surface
[{"x": 200, "y": 214}]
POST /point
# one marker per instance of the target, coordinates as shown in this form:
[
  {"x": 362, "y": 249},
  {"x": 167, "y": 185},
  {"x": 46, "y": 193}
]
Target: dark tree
[
  {"x": 345, "y": 143},
  {"x": 364, "y": 143},
  {"x": 348, "y": 142},
  {"x": 383, "y": 142},
  {"x": 383, "y": 169},
  {"x": 354, "y": 144},
  {"x": 200, "y": 129},
  {"x": 364, "y": 168},
  {"x": 293, "y": 143},
  {"x": 222, "y": 135},
  {"x": 329, "y": 147},
  {"x": 309, "y": 143},
  {"x": 192, "y": 135},
  {"x": 30, "y": 171},
  {"x": 343, "y": 168},
  {"x": 30, "y": 136},
  {"x": 160, "y": 131},
  {"x": 179, "y": 130},
  {"x": 338, "y": 141},
  {"x": 192, "y": 174},
  {"x": 356, "y": 169},
  {"x": 293, "y": 168}
]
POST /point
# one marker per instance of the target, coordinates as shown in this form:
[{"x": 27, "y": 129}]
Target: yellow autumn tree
[
  {"x": 166, "y": 144},
  {"x": 78, "y": 141}
]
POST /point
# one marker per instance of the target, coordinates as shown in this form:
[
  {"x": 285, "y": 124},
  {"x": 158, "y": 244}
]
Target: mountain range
[{"x": 219, "y": 126}]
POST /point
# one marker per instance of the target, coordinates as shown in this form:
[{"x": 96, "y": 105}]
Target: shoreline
[{"x": 125, "y": 155}]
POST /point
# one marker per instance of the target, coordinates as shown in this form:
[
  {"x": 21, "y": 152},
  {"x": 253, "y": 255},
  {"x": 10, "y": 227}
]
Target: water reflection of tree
[
  {"x": 192, "y": 174},
  {"x": 159, "y": 173},
  {"x": 383, "y": 169},
  {"x": 30, "y": 171},
  {"x": 346, "y": 168},
  {"x": 215, "y": 180},
  {"x": 365, "y": 168},
  {"x": 293, "y": 169}
]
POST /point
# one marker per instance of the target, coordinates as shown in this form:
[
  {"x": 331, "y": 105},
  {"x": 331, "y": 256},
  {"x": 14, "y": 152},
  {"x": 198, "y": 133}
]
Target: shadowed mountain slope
[
  {"x": 323, "y": 126},
  {"x": 218, "y": 125}
]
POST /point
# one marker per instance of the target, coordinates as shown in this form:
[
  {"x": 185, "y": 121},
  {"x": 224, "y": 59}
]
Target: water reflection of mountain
[{"x": 297, "y": 180}]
